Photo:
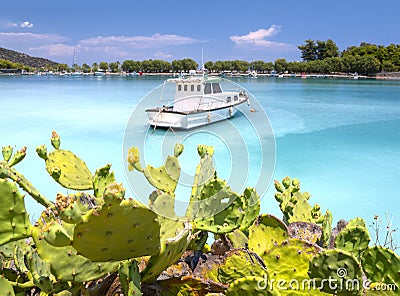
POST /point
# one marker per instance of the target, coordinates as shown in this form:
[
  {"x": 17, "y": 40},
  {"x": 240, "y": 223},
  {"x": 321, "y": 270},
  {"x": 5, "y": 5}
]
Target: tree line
[{"x": 321, "y": 57}]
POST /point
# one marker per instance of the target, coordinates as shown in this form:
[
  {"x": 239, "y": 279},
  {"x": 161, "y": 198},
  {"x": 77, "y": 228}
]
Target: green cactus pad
[
  {"x": 69, "y": 207},
  {"x": 40, "y": 271},
  {"x": 238, "y": 239},
  {"x": 101, "y": 179},
  {"x": 7, "y": 152},
  {"x": 55, "y": 234},
  {"x": 381, "y": 265},
  {"x": 66, "y": 264},
  {"x": 353, "y": 239},
  {"x": 251, "y": 207},
  {"x": 266, "y": 231},
  {"x": 163, "y": 204},
  {"x": 240, "y": 263},
  {"x": 338, "y": 267},
  {"x": 251, "y": 285},
  {"x": 357, "y": 222},
  {"x": 14, "y": 220},
  {"x": 69, "y": 170},
  {"x": 129, "y": 277},
  {"x": 6, "y": 288},
  {"x": 222, "y": 211},
  {"x": 175, "y": 238},
  {"x": 189, "y": 285},
  {"x": 288, "y": 262},
  {"x": 17, "y": 157},
  {"x": 100, "y": 236},
  {"x": 326, "y": 229}
]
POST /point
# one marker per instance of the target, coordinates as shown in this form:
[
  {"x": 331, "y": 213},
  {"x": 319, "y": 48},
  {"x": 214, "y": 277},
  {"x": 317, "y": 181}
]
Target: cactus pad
[
  {"x": 353, "y": 239},
  {"x": 100, "y": 236},
  {"x": 6, "y": 288},
  {"x": 101, "y": 179},
  {"x": 251, "y": 208},
  {"x": 266, "y": 231},
  {"x": 381, "y": 265},
  {"x": 68, "y": 170},
  {"x": 338, "y": 267},
  {"x": 129, "y": 277},
  {"x": 14, "y": 220},
  {"x": 175, "y": 238}
]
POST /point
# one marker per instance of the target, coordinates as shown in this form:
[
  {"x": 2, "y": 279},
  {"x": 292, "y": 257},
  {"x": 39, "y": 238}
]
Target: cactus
[
  {"x": 381, "y": 265},
  {"x": 66, "y": 168},
  {"x": 240, "y": 263},
  {"x": 266, "y": 231},
  {"x": 14, "y": 220},
  {"x": 66, "y": 264},
  {"x": 129, "y": 277},
  {"x": 238, "y": 239},
  {"x": 6, "y": 287},
  {"x": 100, "y": 236},
  {"x": 164, "y": 178},
  {"x": 353, "y": 239},
  {"x": 326, "y": 230},
  {"x": 101, "y": 179},
  {"x": 7, "y": 152},
  {"x": 289, "y": 262},
  {"x": 294, "y": 204},
  {"x": 175, "y": 238},
  {"x": 251, "y": 209},
  {"x": 17, "y": 157},
  {"x": 55, "y": 234},
  {"x": 339, "y": 267}
]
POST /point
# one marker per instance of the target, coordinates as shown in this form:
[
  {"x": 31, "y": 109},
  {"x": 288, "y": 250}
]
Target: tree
[
  {"x": 114, "y": 66},
  {"x": 326, "y": 49},
  {"x": 86, "y": 68},
  {"x": 308, "y": 50},
  {"x": 95, "y": 67},
  {"x": 103, "y": 66},
  {"x": 280, "y": 65}
]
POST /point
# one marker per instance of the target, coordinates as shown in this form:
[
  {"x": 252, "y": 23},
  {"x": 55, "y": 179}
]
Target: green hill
[{"x": 24, "y": 59}]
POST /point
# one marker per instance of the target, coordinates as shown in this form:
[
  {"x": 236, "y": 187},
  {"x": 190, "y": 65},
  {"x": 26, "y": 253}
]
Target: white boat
[
  {"x": 195, "y": 101},
  {"x": 253, "y": 74},
  {"x": 99, "y": 72}
]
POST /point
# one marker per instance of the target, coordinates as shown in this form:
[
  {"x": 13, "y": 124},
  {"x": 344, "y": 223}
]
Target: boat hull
[{"x": 178, "y": 120}]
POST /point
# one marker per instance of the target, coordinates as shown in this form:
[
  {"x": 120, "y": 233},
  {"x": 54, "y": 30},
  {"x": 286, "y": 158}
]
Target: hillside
[{"x": 17, "y": 57}]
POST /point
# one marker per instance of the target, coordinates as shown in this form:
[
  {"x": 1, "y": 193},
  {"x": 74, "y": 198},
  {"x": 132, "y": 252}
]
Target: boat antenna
[{"x": 202, "y": 61}]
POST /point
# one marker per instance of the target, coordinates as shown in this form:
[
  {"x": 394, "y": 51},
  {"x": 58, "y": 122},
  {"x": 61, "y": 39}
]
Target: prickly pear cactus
[
  {"x": 251, "y": 201},
  {"x": 338, "y": 267},
  {"x": 14, "y": 220},
  {"x": 326, "y": 229},
  {"x": 354, "y": 239},
  {"x": 238, "y": 239},
  {"x": 381, "y": 265},
  {"x": 66, "y": 168},
  {"x": 266, "y": 232},
  {"x": 294, "y": 204},
  {"x": 100, "y": 236},
  {"x": 175, "y": 236},
  {"x": 6, "y": 288},
  {"x": 129, "y": 277},
  {"x": 164, "y": 178},
  {"x": 66, "y": 264},
  {"x": 240, "y": 263},
  {"x": 101, "y": 179}
]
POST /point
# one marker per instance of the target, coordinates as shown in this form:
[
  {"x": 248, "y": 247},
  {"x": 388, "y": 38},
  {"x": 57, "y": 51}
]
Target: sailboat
[{"x": 76, "y": 72}]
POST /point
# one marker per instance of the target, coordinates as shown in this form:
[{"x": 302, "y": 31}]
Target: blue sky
[{"x": 119, "y": 30}]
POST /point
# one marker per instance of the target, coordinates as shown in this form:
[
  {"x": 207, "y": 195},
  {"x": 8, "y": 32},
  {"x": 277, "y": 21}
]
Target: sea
[{"x": 339, "y": 137}]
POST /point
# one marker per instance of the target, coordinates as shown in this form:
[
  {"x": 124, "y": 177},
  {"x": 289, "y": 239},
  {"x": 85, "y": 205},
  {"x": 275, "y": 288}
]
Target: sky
[{"x": 89, "y": 31}]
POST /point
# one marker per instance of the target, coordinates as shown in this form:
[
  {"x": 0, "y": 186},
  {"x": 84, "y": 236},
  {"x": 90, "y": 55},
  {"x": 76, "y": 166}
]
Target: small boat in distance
[{"x": 195, "y": 101}]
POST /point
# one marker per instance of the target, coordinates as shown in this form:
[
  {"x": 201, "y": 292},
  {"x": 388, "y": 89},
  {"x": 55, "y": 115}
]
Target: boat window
[
  {"x": 207, "y": 89},
  {"x": 216, "y": 88},
  {"x": 179, "y": 87},
  {"x": 198, "y": 87},
  {"x": 235, "y": 98},
  {"x": 192, "y": 87},
  {"x": 185, "y": 87},
  {"x": 228, "y": 99}
]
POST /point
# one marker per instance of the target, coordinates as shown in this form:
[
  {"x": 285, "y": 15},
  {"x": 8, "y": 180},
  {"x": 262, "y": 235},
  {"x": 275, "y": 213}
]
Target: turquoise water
[{"x": 341, "y": 138}]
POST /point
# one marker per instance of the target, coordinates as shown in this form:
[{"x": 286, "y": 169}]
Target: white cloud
[
  {"x": 156, "y": 40},
  {"x": 54, "y": 50},
  {"x": 257, "y": 38},
  {"x": 29, "y": 38},
  {"x": 162, "y": 55},
  {"x": 24, "y": 24}
]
